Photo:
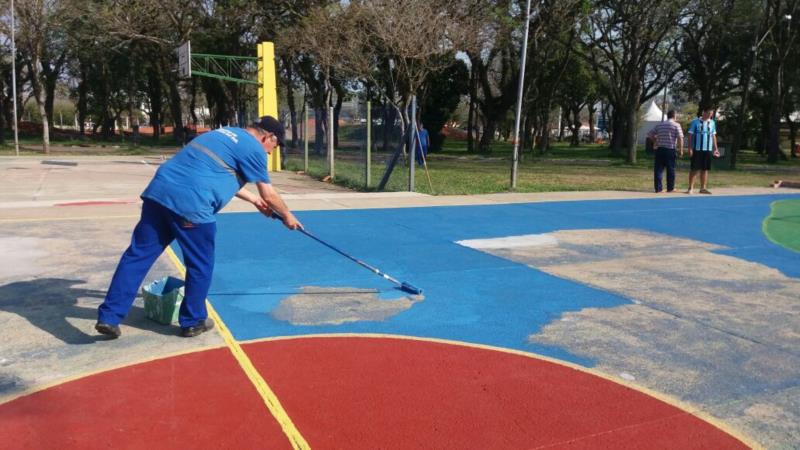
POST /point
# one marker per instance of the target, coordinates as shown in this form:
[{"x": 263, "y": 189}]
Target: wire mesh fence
[{"x": 366, "y": 138}]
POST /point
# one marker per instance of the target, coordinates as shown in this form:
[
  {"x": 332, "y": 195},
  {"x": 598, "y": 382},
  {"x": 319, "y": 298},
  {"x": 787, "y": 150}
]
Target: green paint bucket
[{"x": 162, "y": 300}]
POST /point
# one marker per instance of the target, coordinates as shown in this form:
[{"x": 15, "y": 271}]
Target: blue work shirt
[
  {"x": 195, "y": 186},
  {"x": 703, "y": 134}
]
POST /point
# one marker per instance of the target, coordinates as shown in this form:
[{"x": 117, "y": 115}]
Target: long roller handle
[{"x": 403, "y": 285}]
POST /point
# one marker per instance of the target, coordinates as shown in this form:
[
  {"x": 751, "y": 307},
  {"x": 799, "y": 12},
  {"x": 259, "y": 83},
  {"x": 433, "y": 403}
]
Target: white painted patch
[
  {"x": 525, "y": 240},
  {"x": 627, "y": 376}
]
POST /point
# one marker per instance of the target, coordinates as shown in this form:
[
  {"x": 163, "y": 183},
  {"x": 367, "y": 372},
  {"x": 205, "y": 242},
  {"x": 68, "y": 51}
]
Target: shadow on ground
[{"x": 47, "y": 303}]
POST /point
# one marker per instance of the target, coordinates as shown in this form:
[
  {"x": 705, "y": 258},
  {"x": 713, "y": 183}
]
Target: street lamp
[{"x": 520, "y": 89}]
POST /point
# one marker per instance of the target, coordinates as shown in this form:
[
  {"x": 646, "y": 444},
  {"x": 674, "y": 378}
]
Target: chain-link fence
[{"x": 361, "y": 153}]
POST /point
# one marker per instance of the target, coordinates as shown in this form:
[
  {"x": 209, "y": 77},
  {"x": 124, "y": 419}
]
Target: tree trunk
[
  {"x": 176, "y": 109},
  {"x": 592, "y": 132},
  {"x": 792, "y": 134},
  {"x": 533, "y": 130},
  {"x": 45, "y": 125},
  {"x": 405, "y": 120},
  {"x": 38, "y": 93},
  {"x": 485, "y": 145},
  {"x": 193, "y": 101},
  {"x": 2, "y": 111},
  {"x": 617, "y": 131},
  {"x": 385, "y": 125},
  {"x": 630, "y": 135},
  {"x": 544, "y": 139},
  {"x": 774, "y": 139},
  {"x": 50, "y": 79},
  {"x": 526, "y": 136},
  {"x": 576, "y": 127},
  {"x": 83, "y": 90},
  {"x": 49, "y": 99},
  {"x": 7, "y": 112},
  {"x": 337, "y": 109},
  {"x": 319, "y": 130},
  {"x": 154, "y": 93},
  {"x": 774, "y": 135},
  {"x": 473, "y": 87},
  {"x": 290, "y": 99}
]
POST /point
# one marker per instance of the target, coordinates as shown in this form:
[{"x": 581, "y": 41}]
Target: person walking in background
[
  {"x": 423, "y": 143},
  {"x": 702, "y": 142},
  {"x": 180, "y": 204},
  {"x": 668, "y": 136}
]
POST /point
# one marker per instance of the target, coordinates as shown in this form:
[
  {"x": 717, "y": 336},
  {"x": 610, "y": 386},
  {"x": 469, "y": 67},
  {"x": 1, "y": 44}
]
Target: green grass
[
  {"x": 783, "y": 224},
  {"x": 67, "y": 145},
  {"x": 455, "y": 171},
  {"x": 562, "y": 168}
]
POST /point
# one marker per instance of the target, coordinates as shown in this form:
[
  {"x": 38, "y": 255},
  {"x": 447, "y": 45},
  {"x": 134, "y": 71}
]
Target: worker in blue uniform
[{"x": 180, "y": 204}]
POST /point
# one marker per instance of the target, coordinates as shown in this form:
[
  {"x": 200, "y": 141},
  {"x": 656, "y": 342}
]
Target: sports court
[{"x": 602, "y": 320}]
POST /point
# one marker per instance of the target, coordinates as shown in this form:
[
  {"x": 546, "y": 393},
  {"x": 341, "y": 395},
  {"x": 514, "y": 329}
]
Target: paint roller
[{"x": 407, "y": 287}]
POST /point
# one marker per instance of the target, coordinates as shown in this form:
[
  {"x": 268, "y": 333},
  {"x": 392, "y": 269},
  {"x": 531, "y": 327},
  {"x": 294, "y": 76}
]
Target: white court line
[{"x": 525, "y": 240}]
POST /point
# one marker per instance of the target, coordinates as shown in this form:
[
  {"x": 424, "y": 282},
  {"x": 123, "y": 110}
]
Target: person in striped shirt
[
  {"x": 702, "y": 144},
  {"x": 668, "y": 137}
]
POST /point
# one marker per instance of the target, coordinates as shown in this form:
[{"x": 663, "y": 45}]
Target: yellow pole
[{"x": 268, "y": 94}]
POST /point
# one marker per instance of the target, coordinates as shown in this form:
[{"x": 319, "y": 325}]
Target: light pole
[
  {"x": 14, "y": 78},
  {"x": 515, "y": 156}
]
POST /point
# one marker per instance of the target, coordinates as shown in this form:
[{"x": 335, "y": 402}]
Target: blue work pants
[
  {"x": 156, "y": 229},
  {"x": 665, "y": 157}
]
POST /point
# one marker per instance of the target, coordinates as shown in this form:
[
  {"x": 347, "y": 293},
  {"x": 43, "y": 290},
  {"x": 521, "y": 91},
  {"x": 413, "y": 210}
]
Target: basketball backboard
[{"x": 184, "y": 60}]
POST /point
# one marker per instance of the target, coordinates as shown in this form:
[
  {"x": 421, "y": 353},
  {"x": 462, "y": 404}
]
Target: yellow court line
[
  {"x": 267, "y": 395},
  {"x": 686, "y": 407}
]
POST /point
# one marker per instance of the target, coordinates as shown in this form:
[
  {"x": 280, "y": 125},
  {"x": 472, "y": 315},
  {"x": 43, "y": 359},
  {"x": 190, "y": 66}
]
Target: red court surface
[
  {"x": 197, "y": 400},
  {"x": 397, "y": 393},
  {"x": 354, "y": 393}
]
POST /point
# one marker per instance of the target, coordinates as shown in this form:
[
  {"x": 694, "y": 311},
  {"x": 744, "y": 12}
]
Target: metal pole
[
  {"x": 369, "y": 143},
  {"x": 412, "y": 147},
  {"x": 330, "y": 142},
  {"x": 515, "y": 157},
  {"x": 14, "y": 78},
  {"x": 305, "y": 138}
]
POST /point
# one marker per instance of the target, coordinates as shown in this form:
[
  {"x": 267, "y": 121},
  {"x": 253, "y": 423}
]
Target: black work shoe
[
  {"x": 108, "y": 330},
  {"x": 200, "y": 328}
]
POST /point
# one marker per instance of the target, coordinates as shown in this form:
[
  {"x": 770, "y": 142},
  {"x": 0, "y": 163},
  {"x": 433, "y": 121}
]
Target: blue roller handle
[{"x": 403, "y": 285}]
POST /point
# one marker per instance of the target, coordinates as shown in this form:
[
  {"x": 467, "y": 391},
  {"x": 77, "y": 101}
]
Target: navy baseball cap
[{"x": 272, "y": 125}]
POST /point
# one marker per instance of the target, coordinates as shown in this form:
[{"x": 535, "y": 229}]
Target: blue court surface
[{"x": 470, "y": 296}]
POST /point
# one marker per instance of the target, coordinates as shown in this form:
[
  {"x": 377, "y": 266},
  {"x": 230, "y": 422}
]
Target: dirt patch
[{"x": 716, "y": 331}]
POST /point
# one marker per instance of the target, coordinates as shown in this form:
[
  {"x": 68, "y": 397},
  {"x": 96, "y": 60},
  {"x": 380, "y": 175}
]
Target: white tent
[{"x": 648, "y": 120}]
